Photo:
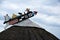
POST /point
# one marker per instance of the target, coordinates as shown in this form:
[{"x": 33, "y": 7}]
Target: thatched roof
[{"x": 26, "y": 33}]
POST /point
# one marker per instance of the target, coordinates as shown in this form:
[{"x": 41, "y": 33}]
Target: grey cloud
[
  {"x": 48, "y": 2},
  {"x": 52, "y": 2},
  {"x": 40, "y": 21},
  {"x": 1, "y": 1}
]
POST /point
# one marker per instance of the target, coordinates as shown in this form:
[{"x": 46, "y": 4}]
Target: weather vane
[{"x": 16, "y": 19}]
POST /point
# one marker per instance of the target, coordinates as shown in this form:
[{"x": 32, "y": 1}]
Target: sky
[{"x": 48, "y": 11}]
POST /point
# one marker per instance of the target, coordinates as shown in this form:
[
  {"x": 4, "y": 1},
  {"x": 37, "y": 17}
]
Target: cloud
[
  {"x": 9, "y": 5},
  {"x": 48, "y": 11},
  {"x": 44, "y": 8},
  {"x": 2, "y": 13},
  {"x": 52, "y": 9},
  {"x": 47, "y": 20},
  {"x": 2, "y": 25},
  {"x": 1, "y": 1}
]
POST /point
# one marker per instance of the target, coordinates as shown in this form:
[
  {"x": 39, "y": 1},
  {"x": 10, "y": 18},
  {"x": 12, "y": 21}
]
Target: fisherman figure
[
  {"x": 6, "y": 19},
  {"x": 14, "y": 16},
  {"x": 27, "y": 11},
  {"x": 19, "y": 18}
]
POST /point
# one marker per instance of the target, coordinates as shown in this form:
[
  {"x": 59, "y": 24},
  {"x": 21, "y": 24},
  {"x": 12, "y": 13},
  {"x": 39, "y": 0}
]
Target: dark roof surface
[{"x": 26, "y": 33}]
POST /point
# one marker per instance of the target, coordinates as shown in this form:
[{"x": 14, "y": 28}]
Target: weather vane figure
[{"x": 16, "y": 19}]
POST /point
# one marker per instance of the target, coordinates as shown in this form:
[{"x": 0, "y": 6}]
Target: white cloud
[
  {"x": 2, "y": 13},
  {"x": 9, "y": 5},
  {"x": 48, "y": 6},
  {"x": 16, "y": 6},
  {"x": 48, "y": 19},
  {"x": 1, "y": 23},
  {"x": 52, "y": 9}
]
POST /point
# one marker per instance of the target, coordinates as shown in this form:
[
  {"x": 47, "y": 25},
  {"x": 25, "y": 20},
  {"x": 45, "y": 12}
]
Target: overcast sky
[{"x": 48, "y": 10}]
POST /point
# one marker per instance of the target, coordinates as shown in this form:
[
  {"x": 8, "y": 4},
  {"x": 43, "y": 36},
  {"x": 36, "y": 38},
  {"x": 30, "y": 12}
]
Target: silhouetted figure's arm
[{"x": 20, "y": 13}]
